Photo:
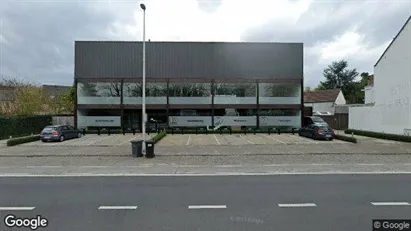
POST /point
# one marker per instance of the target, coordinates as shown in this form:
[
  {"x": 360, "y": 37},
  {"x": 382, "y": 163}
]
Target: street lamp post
[{"x": 143, "y": 7}]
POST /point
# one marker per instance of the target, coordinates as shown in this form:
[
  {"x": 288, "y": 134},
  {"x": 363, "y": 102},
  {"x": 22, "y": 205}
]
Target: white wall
[
  {"x": 340, "y": 99},
  {"x": 392, "y": 91},
  {"x": 369, "y": 95}
]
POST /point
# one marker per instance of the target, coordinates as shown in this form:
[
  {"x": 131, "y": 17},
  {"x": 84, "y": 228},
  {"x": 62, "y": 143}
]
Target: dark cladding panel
[{"x": 189, "y": 60}]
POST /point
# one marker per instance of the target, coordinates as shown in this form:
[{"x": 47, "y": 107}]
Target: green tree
[{"x": 338, "y": 76}]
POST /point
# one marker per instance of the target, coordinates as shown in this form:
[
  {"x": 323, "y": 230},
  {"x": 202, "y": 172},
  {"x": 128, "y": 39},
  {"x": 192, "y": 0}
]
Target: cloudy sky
[{"x": 37, "y": 36}]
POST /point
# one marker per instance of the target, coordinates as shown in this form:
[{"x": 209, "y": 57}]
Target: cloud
[{"x": 37, "y": 37}]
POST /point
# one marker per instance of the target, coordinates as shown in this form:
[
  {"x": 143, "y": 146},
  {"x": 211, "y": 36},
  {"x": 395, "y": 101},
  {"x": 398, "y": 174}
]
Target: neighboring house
[
  {"x": 391, "y": 91},
  {"x": 324, "y": 102},
  {"x": 369, "y": 91}
]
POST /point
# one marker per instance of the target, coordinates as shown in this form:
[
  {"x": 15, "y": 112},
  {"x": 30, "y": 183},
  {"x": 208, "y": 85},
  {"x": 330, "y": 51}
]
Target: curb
[{"x": 209, "y": 155}]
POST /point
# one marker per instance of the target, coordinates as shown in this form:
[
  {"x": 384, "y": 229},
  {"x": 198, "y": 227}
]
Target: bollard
[
  {"x": 108, "y": 131},
  {"x": 134, "y": 131},
  {"x": 279, "y": 132},
  {"x": 124, "y": 131},
  {"x": 292, "y": 130},
  {"x": 98, "y": 131},
  {"x": 269, "y": 131}
]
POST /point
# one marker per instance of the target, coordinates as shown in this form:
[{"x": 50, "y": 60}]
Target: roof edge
[
  {"x": 393, "y": 40},
  {"x": 138, "y": 41}
]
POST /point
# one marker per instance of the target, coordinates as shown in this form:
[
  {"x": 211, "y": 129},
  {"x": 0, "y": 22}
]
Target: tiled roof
[{"x": 321, "y": 96}]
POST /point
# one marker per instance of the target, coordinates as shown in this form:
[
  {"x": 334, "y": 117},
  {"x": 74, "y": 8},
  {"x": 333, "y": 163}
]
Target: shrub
[
  {"x": 22, "y": 125},
  {"x": 158, "y": 137},
  {"x": 346, "y": 138},
  {"x": 22, "y": 140},
  {"x": 379, "y": 135}
]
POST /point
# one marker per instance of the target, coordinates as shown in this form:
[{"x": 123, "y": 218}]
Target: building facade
[
  {"x": 189, "y": 84},
  {"x": 390, "y": 111},
  {"x": 324, "y": 102}
]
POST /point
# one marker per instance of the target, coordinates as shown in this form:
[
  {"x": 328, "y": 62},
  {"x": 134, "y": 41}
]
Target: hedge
[
  {"x": 380, "y": 135},
  {"x": 345, "y": 138},
  {"x": 18, "y": 126},
  {"x": 159, "y": 136},
  {"x": 22, "y": 140}
]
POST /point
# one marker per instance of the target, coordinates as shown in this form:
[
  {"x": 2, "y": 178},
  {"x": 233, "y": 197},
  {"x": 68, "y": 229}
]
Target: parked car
[
  {"x": 59, "y": 133},
  {"x": 317, "y": 132},
  {"x": 313, "y": 120}
]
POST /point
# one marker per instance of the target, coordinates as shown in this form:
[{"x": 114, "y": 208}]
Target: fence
[
  {"x": 337, "y": 121},
  {"x": 60, "y": 120}
]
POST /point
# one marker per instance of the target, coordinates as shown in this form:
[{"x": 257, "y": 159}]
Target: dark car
[
  {"x": 317, "y": 132},
  {"x": 313, "y": 120},
  {"x": 59, "y": 133}
]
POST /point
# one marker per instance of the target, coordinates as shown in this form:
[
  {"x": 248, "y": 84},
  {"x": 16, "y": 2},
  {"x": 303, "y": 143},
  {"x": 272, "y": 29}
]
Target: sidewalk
[{"x": 216, "y": 150}]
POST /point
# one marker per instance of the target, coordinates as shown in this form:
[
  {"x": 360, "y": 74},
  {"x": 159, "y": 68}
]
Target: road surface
[{"x": 282, "y": 202}]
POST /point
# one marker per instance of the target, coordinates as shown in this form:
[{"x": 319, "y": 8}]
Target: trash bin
[
  {"x": 136, "y": 146},
  {"x": 149, "y": 149}
]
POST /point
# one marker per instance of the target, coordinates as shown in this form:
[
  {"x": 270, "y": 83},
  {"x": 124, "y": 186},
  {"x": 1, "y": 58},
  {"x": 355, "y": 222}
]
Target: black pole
[
  {"x": 269, "y": 131},
  {"x": 108, "y": 131},
  {"x": 98, "y": 131},
  {"x": 134, "y": 131},
  {"x": 279, "y": 132}
]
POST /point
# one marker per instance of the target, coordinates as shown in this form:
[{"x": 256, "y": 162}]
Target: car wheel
[
  {"x": 79, "y": 135},
  {"x": 61, "y": 138}
]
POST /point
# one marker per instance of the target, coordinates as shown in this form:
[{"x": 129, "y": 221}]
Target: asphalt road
[{"x": 315, "y": 202}]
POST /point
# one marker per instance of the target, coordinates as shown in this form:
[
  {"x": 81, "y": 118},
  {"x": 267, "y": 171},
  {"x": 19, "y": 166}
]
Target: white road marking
[
  {"x": 207, "y": 207},
  {"x": 100, "y": 140},
  {"x": 228, "y": 166},
  {"x": 246, "y": 139},
  {"x": 197, "y": 174},
  {"x": 192, "y": 166},
  {"x": 297, "y": 205},
  {"x": 215, "y": 137},
  {"x": 15, "y": 208},
  {"x": 267, "y": 136},
  {"x": 188, "y": 141},
  {"x": 113, "y": 166},
  {"x": 389, "y": 203},
  {"x": 127, "y": 141},
  {"x": 305, "y": 139},
  {"x": 116, "y": 207}
]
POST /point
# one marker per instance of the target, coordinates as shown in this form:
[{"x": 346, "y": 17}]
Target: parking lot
[
  {"x": 237, "y": 139},
  {"x": 94, "y": 140}
]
